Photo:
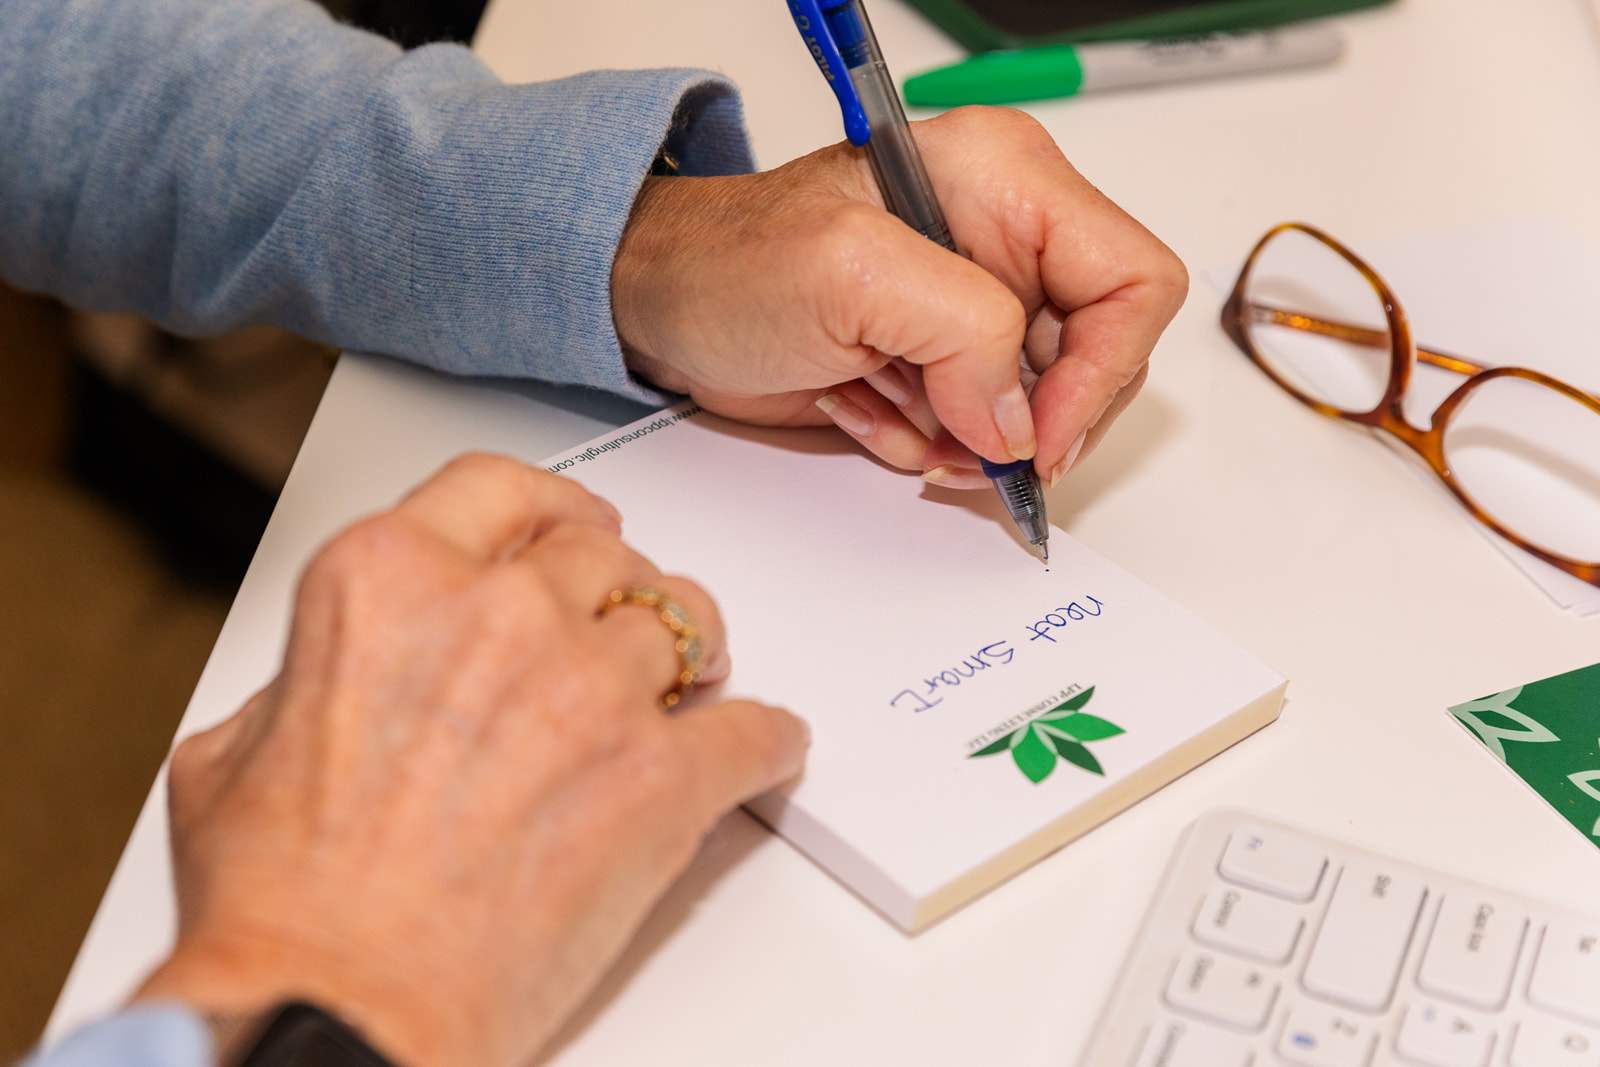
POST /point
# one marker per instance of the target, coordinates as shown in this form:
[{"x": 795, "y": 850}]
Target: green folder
[{"x": 986, "y": 25}]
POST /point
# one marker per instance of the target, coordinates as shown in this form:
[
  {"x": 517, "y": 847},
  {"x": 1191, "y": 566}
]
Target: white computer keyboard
[{"x": 1272, "y": 945}]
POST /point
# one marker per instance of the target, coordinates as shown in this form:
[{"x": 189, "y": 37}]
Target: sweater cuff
[
  {"x": 149, "y": 1035},
  {"x": 513, "y": 252}
]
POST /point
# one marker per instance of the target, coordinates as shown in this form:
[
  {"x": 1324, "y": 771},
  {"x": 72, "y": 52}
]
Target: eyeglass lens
[
  {"x": 1318, "y": 324},
  {"x": 1530, "y": 456}
]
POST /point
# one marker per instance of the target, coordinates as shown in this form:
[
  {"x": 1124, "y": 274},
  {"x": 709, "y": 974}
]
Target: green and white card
[{"x": 1548, "y": 733}]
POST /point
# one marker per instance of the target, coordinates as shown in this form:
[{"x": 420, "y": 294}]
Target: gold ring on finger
[{"x": 687, "y": 642}]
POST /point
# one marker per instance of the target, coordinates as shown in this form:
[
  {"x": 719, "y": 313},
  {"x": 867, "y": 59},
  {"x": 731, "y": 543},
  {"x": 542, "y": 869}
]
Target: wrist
[
  {"x": 642, "y": 265},
  {"x": 236, "y": 984},
  {"x": 232, "y": 1033},
  {"x": 295, "y": 1034}
]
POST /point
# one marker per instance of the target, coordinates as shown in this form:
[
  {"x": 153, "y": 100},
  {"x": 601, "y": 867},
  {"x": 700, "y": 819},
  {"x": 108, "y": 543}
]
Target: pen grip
[
  {"x": 1000, "y": 470},
  {"x": 896, "y": 163},
  {"x": 904, "y": 183}
]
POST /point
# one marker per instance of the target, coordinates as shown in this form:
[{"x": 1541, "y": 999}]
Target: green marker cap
[{"x": 999, "y": 78}]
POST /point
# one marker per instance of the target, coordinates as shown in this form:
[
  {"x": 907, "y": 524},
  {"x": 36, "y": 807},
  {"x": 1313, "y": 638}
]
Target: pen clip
[{"x": 813, "y": 27}]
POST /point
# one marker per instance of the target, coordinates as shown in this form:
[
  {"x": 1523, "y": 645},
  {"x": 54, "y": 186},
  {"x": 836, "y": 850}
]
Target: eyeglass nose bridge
[{"x": 1427, "y": 442}]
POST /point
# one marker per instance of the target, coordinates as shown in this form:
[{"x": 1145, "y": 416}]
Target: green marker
[{"x": 1065, "y": 70}]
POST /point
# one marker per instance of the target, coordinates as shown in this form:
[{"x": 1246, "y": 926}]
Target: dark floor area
[{"x": 123, "y": 536}]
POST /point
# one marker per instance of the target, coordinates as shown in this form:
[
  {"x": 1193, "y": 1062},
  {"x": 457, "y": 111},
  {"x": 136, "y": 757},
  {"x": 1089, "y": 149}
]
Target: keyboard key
[
  {"x": 1176, "y": 1043},
  {"x": 1440, "y": 1036},
  {"x": 1473, "y": 950},
  {"x": 1386, "y": 964},
  {"x": 1364, "y": 937},
  {"x": 1273, "y": 861},
  {"x": 1545, "y": 1042},
  {"x": 1319, "y": 1036},
  {"x": 1221, "y": 989},
  {"x": 1567, "y": 976},
  {"x": 1248, "y": 923}
]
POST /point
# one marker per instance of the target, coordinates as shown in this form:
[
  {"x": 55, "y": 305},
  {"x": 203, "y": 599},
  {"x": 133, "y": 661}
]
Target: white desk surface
[{"x": 1308, "y": 543}]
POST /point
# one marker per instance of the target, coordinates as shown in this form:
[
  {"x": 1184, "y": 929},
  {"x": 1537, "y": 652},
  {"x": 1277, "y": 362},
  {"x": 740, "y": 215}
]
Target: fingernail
[
  {"x": 897, "y": 383},
  {"x": 956, "y": 477},
  {"x": 891, "y": 383},
  {"x": 1068, "y": 460},
  {"x": 1015, "y": 421},
  {"x": 848, "y": 416}
]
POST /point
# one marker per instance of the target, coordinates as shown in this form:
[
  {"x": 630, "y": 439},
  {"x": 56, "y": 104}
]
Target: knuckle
[
  {"x": 482, "y": 464},
  {"x": 849, "y": 242},
  {"x": 570, "y": 544},
  {"x": 511, "y": 475},
  {"x": 762, "y": 743},
  {"x": 1008, "y": 312},
  {"x": 1007, "y": 122},
  {"x": 1136, "y": 381},
  {"x": 1164, "y": 279},
  {"x": 189, "y": 773},
  {"x": 344, "y": 563},
  {"x": 1174, "y": 277},
  {"x": 1001, "y": 317},
  {"x": 187, "y": 761},
  {"x": 338, "y": 561},
  {"x": 353, "y": 547}
]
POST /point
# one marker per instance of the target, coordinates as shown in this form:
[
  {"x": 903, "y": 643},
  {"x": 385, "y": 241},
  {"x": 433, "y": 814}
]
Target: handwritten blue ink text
[
  {"x": 986, "y": 658},
  {"x": 929, "y": 692},
  {"x": 1060, "y": 618}
]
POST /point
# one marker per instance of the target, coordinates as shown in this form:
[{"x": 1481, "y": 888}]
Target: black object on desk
[{"x": 985, "y": 25}]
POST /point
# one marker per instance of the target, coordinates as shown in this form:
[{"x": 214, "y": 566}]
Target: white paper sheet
[
  {"x": 911, "y": 628},
  {"x": 1513, "y": 293}
]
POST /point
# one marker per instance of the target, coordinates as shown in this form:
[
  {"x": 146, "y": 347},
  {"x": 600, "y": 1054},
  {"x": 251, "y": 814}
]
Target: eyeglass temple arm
[
  {"x": 1361, "y": 335},
  {"x": 1357, "y": 335}
]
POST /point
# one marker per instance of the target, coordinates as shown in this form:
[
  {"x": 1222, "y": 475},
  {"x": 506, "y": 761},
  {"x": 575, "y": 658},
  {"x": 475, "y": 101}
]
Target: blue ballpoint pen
[{"x": 841, "y": 41}]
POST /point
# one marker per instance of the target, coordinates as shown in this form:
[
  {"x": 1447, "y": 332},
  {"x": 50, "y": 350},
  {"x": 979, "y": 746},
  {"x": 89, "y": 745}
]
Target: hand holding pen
[
  {"x": 791, "y": 297},
  {"x": 839, "y": 36}
]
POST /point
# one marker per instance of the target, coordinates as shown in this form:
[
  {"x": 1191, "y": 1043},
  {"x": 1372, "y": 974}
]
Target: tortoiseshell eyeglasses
[{"x": 1519, "y": 449}]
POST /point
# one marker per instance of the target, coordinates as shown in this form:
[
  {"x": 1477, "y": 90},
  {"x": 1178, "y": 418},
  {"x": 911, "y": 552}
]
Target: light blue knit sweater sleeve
[
  {"x": 214, "y": 163},
  {"x": 151, "y": 1035}
]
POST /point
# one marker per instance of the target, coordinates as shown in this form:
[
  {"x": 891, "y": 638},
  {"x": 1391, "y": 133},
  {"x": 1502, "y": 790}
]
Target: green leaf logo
[{"x": 1062, "y": 733}]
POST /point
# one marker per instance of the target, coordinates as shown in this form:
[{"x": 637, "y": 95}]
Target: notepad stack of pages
[{"x": 971, "y": 710}]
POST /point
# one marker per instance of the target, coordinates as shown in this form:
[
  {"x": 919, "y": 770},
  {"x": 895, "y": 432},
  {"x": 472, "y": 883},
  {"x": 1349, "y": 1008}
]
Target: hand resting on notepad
[{"x": 450, "y": 810}]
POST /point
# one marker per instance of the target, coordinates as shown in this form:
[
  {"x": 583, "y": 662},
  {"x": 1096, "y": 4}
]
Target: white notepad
[{"x": 971, "y": 711}]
